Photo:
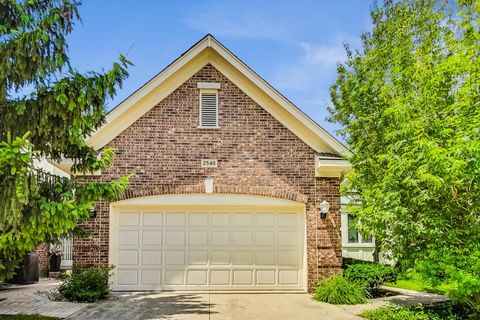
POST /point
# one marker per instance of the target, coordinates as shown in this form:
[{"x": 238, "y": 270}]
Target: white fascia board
[
  {"x": 65, "y": 165},
  {"x": 149, "y": 86}
]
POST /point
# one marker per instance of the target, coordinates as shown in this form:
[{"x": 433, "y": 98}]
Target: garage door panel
[
  {"x": 265, "y": 277},
  {"x": 242, "y": 219},
  {"x": 288, "y": 258},
  {"x": 168, "y": 249},
  {"x": 243, "y": 277},
  {"x": 264, "y": 219},
  {"x": 152, "y": 237},
  {"x": 175, "y": 219},
  {"x": 197, "y": 277},
  {"x": 127, "y": 276},
  {"x": 151, "y": 277},
  {"x": 175, "y": 238},
  {"x": 128, "y": 237},
  {"x": 287, "y": 220},
  {"x": 220, "y": 277},
  {"x": 220, "y": 238},
  {"x": 127, "y": 257},
  {"x": 198, "y": 238},
  {"x": 242, "y": 238},
  {"x": 152, "y": 219},
  {"x": 175, "y": 257},
  {"x": 242, "y": 258},
  {"x": 128, "y": 219},
  {"x": 264, "y": 238},
  {"x": 174, "y": 277},
  {"x": 198, "y": 257},
  {"x": 288, "y": 277},
  {"x": 220, "y": 219},
  {"x": 265, "y": 258},
  {"x": 287, "y": 238},
  {"x": 198, "y": 219},
  {"x": 151, "y": 257},
  {"x": 219, "y": 257}
]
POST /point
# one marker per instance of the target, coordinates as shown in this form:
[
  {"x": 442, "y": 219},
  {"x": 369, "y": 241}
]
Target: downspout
[{"x": 316, "y": 225}]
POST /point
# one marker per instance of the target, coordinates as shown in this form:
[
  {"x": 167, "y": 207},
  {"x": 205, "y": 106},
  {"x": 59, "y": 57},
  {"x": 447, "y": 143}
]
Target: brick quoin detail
[{"x": 256, "y": 155}]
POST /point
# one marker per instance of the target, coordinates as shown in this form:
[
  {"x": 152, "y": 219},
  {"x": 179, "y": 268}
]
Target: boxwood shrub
[
  {"x": 340, "y": 290},
  {"x": 371, "y": 275},
  {"x": 86, "y": 284}
]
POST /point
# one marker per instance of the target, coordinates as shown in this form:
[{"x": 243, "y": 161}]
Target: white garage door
[{"x": 165, "y": 248}]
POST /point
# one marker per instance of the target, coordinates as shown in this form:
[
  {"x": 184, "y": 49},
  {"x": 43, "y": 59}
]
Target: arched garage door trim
[{"x": 265, "y": 191}]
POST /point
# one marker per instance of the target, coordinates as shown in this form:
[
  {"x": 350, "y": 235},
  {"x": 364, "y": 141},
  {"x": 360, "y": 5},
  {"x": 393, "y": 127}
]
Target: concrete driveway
[{"x": 164, "y": 305}]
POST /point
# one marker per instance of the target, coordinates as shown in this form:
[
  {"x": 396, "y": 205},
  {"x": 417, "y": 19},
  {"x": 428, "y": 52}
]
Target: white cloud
[
  {"x": 227, "y": 20},
  {"x": 323, "y": 56},
  {"x": 316, "y": 64}
]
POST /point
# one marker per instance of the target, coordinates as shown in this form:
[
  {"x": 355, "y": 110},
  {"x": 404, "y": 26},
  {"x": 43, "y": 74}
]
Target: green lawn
[
  {"x": 415, "y": 282},
  {"x": 411, "y": 284},
  {"x": 27, "y": 317}
]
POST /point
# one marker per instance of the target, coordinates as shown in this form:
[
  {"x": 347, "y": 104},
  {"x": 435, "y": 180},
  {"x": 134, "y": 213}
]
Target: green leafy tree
[
  {"x": 409, "y": 103},
  {"x": 47, "y": 109}
]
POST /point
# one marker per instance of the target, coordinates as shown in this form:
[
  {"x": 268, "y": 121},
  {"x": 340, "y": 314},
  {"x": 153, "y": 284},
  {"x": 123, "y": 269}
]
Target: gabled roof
[{"x": 209, "y": 51}]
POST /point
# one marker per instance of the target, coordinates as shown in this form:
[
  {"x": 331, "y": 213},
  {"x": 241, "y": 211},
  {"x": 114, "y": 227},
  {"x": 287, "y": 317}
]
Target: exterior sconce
[{"x": 324, "y": 208}]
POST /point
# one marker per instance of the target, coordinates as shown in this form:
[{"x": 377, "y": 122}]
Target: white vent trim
[
  {"x": 208, "y": 85},
  {"x": 208, "y": 108}
]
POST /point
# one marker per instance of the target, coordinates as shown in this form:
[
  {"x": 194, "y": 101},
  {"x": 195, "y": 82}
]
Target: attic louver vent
[{"x": 208, "y": 109}]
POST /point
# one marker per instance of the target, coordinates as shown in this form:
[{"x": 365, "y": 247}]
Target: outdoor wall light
[{"x": 324, "y": 208}]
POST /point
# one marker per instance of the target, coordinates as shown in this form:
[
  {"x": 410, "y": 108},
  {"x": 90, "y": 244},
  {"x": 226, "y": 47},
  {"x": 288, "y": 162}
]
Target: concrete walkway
[
  {"x": 402, "y": 297},
  {"x": 199, "y": 306},
  {"x": 24, "y": 299}
]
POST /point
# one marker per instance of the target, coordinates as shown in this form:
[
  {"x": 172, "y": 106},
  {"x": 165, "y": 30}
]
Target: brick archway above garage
[{"x": 272, "y": 192}]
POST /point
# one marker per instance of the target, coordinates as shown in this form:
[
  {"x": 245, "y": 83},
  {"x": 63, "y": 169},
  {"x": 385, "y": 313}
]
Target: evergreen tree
[{"x": 47, "y": 110}]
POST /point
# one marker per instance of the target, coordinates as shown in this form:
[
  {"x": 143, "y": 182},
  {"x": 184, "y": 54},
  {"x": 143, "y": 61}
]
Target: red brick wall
[
  {"x": 44, "y": 259},
  {"x": 256, "y": 154}
]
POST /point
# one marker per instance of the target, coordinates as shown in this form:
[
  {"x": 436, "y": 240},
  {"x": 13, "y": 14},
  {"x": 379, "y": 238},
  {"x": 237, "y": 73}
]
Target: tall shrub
[{"x": 409, "y": 104}]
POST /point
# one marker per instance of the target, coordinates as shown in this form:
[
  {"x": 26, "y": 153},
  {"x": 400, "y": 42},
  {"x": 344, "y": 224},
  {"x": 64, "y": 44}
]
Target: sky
[{"x": 293, "y": 45}]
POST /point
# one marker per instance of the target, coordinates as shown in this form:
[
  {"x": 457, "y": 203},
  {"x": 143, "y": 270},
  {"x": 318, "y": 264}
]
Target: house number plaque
[{"x": 209, "y": 163}]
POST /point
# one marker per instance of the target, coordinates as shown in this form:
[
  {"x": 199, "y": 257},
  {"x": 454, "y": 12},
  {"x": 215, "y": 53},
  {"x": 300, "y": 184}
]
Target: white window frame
[
  {"x": 206, "y": 87},
  {"x": 345, "y": 243}
]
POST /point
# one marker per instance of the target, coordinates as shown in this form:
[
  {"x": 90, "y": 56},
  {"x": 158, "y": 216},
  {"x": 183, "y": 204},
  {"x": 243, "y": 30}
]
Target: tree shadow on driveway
[{"x": 148, "y": 305}]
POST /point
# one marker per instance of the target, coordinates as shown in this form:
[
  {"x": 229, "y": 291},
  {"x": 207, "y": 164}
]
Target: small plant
[
  {"x": 340, "y": 290},
  {"x": 439, "y": 311},
  {"x": 394, "y": 312},
  {"x": 371, "y": 275},
  {"x": 86, "y": 284},
  {"x": 55, "y": 249}
]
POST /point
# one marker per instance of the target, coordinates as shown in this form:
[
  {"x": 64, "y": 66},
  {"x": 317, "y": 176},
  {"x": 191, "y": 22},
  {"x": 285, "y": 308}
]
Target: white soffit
[{"x": 332, "y": 167}]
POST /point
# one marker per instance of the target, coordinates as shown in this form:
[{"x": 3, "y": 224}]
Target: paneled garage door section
[{"x": 215, "y": 250}]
